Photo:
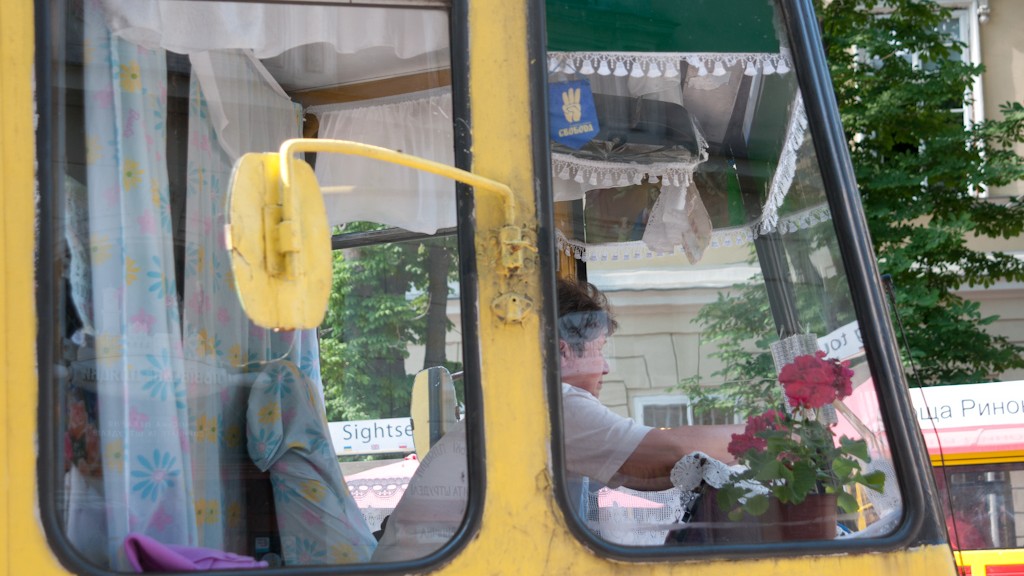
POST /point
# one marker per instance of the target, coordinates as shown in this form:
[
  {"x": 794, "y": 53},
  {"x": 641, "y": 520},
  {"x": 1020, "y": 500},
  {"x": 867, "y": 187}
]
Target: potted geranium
[{"x": 792, "y": 457}]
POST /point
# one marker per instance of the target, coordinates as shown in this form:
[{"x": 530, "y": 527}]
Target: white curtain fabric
[
  {"x": 269, "y": 30},
  {"x": 418, "y": 124},
  {"x": 679, "y": 222},
  {"x": 248, "y": 110},
  {"x": 243, "y": 113},
  {"x": 677, "y": 219},
  {"x": 785, "y": 171}
]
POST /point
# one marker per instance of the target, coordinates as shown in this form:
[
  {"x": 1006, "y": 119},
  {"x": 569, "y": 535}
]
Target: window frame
[
  {"x": 49, "y": 295},
  {"x": 643, "y": 401},
  {"x": 919, "y": 524}
]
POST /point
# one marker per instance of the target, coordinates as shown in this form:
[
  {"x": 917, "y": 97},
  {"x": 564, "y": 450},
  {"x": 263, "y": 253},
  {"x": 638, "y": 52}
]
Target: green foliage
[
  {"x": 740, "y": 325},
  {"x": 918, "y": 169},
  {"x": 371, "y": 321}
]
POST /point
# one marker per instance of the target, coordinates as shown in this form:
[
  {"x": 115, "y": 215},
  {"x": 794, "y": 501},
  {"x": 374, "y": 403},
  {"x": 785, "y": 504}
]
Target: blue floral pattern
[
  {"x": 222, "y": 346},
  {"x": 135, "y": 316},
  {"x": 172, "y": 377},
  {"x": 314, "y": 508},
  {"x": 155, "y": 475}
]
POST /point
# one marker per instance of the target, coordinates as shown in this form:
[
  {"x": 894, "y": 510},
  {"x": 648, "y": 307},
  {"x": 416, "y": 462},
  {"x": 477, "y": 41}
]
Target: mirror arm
[
  {"x": 510, "y": 306},
  {"x": 290, "y": 147}
]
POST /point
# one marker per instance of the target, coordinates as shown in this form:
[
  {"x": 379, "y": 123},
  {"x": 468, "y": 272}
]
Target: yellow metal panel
[{"x": 23, "y": 548}]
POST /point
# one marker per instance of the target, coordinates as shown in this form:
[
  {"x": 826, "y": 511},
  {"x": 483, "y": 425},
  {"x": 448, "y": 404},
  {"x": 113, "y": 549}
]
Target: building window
[{"x": 670, "y": 411}]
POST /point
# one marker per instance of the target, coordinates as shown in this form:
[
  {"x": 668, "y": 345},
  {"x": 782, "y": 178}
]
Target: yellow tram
[{"x": 226, "y": 223}]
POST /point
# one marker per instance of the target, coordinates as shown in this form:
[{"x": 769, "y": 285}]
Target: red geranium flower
[
  {"x": 811, "y": 381},
  {"x": 749, "y": 440}
]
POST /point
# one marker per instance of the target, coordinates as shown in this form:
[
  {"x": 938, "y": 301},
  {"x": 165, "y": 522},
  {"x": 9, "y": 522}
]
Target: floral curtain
[
  {"x": 140, "y": 385},
  {"x": 157, "y": 433}
]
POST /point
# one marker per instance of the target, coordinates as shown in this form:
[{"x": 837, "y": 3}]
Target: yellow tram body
[{"x": 522, "y": 529}]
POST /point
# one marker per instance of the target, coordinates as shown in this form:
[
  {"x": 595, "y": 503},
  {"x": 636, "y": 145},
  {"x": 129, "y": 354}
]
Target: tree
[
  {"x": 384, "y": 298},
  {"x": 918, "y": 169}
]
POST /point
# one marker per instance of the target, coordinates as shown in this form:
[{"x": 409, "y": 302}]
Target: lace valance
[
  {"x": 666, "y": 64},
  {"x": 592, "y": 174},
  {"x": 721, "y": 238},
  {"x": 782, "y": 180}
]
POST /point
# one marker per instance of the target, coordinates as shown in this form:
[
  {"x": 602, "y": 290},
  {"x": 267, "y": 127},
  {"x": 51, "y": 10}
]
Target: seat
[{"x": 318, "y": 520}]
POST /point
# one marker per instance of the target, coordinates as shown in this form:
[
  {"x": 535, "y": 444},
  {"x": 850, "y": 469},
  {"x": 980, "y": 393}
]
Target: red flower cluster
[
  {"x": 770, "y": 420},
  {"x": 811, "y": 381}
]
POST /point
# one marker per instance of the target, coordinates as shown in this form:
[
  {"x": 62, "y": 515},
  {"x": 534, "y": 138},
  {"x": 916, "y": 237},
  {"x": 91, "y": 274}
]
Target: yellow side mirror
[{"x": 280, "y": 244}]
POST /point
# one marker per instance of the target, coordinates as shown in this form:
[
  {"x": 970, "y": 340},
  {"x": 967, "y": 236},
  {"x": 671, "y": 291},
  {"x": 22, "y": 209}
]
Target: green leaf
[
  {"x": 805, "y": 479},
  {"x": 728, "y": 496},
  {"x": 769, "y": 470},
  {"x": 757, "y": 505},
  {"x": 843, "y": 467},
  {"x": 847, "y": 503},
  {"x": 874, "y": 480},
  {"x": 858, "y": 448}
]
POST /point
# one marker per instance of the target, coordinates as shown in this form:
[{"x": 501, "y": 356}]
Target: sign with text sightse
[{"x": 384, "y": 435}]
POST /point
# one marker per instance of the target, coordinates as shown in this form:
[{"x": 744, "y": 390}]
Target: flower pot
[
  {"x": 812, "y": 519},
  {"x": 712, "y": 525}
]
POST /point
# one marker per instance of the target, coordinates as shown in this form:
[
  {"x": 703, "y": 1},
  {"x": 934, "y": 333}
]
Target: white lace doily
[{"x": 698, "y": 468}]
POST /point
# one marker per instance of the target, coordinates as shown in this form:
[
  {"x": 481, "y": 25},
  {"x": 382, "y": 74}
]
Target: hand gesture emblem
[{"x": 571, "y": 105}]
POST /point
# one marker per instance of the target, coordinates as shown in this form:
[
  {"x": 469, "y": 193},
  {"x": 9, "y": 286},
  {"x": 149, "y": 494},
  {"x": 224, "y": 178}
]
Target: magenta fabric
[{"x": 147, "y": 555}]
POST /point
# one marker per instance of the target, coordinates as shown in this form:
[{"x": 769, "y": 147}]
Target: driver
[{"x": 600, "y": 445}]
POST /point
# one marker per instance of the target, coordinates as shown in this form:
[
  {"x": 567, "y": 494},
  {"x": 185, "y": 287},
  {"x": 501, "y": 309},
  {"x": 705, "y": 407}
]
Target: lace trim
[
  {"x": 378, "y": 487},
  {"x": 786, "y": 171},
  {"x": 722, "y": 238},
  {"x": 602, "y": 174},
  {"x": 667, "y": 64}
]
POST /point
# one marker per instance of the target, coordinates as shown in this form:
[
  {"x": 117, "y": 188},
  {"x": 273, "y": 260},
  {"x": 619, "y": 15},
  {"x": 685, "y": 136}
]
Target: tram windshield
[{"x": 688, "y": 191}]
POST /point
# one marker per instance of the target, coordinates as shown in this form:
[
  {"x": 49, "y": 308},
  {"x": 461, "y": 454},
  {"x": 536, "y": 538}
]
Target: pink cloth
[{"x": 147, "y": 555}]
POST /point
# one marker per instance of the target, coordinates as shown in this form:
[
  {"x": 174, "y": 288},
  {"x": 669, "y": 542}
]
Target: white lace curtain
[
  {"x": 679, "y": 223},
  {"x": 418, "y": 124},
  {"x": 269, "y": 30}
]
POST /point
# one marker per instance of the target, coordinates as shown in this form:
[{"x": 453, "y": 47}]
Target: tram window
[
  {"x": 183, "y": 423},
  {"x": 983, "y": 505},
  {"x": 688, "y": 195}
]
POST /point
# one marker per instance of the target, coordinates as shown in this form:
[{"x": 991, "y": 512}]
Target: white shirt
[
  {"x": 597, "y": 443},
  {"x": 597, "y": 440}
]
